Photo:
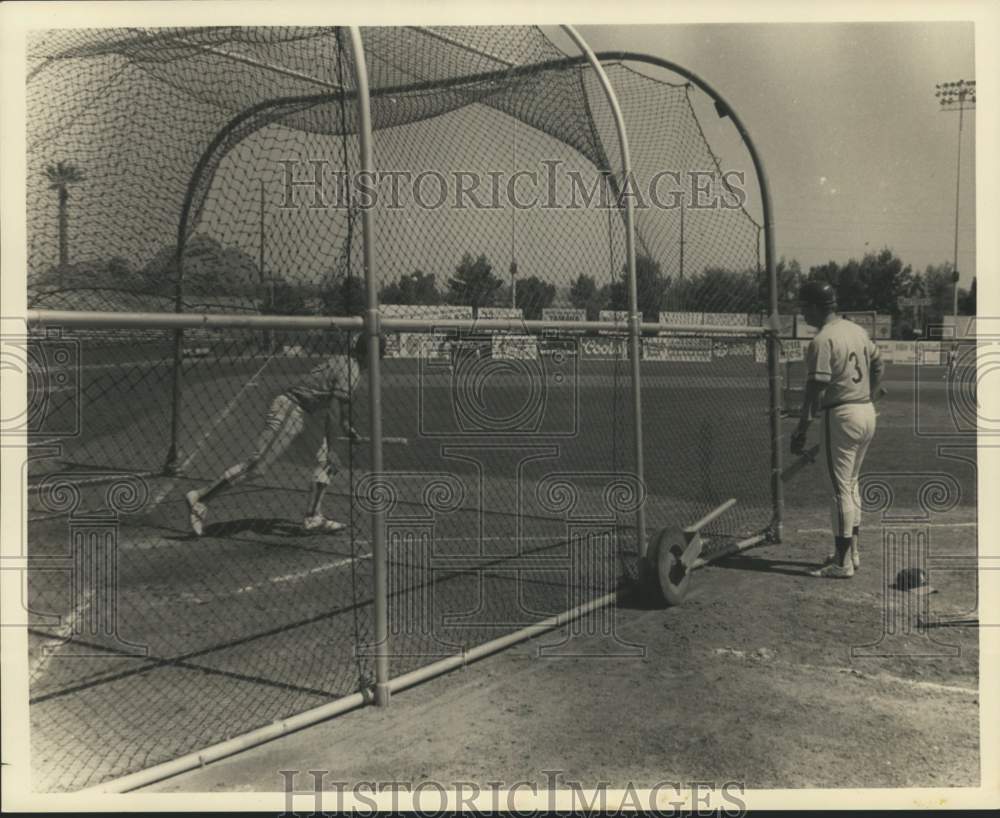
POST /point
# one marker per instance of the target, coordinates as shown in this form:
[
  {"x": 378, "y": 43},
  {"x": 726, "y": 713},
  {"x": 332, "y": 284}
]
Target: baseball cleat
[
  {"x": 855, "y": 557},
  {"x": 199, "y": 511},
  {"x": 320, "y": 523},
  {"x": 833, "y": 571}
]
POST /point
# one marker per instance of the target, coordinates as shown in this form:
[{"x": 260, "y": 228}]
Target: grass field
[{"x": 256, "y": 620}]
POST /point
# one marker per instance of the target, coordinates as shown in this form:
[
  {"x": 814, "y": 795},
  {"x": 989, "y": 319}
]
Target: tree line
[
  {"x": 875, "y": 283},
  {"x": 211, "y": 269}
]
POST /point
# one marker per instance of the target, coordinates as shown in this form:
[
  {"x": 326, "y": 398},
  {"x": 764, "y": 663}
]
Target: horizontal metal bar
[
  {"x": 536, "y": 326},
  {"x": 496, "y": 645},
  {"x": 715, "y": 512},
  {"x": 227, "y": 748},
  {"x": 735, "y": 548},
  {"x": 170, "y": 320}
]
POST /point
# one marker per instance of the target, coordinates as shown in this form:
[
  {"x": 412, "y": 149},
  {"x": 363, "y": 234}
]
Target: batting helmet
[
  {"x": 910, "y": 578},
  {"x": 819, "y": 294}
]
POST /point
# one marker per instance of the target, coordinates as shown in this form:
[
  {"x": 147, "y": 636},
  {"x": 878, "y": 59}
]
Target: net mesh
[{"x": 215, "y": 170}]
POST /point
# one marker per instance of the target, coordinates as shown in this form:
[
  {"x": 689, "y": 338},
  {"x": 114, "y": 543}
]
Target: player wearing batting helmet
[{"x": 844, "y": 368}]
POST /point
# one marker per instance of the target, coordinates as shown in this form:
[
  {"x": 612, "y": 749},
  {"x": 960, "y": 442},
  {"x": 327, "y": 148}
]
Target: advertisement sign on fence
[
  {"x": 563, "y": 314},
  {"x": 501, "y": 313},
  {"x": 725, "y": 319},
  {"x": 422, "y": 344},
  {"x": 510, "y": 347},
  {"x": 929, "y": 354},
  {"x": 427, "y": 312},
  {"x": 905, "y": 352},
  {"x": 730, "y": 349},
  {"x": 687, "y": 319},
  {"x": 677, "y": 349},
  {"x": 618, "y": 316},
  {"x": 791, "y": 350},
  {"x": 418, "y": 345},
  {"x": 605, "y": 349}
]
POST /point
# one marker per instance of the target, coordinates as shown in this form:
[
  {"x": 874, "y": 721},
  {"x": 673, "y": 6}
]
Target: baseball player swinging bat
[{"x": 326, "y": 390}]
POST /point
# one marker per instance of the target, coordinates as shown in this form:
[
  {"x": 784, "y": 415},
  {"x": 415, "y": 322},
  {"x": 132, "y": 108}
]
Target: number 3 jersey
[{"x": 842, "y": 356}]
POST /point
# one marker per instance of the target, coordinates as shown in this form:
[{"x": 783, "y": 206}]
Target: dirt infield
[
  {"x": 751, "y": 680},
  {"x": 765, "y": 676}
]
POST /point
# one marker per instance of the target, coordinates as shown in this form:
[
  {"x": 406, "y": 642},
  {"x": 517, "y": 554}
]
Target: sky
[{"x": 857, "y": 153}]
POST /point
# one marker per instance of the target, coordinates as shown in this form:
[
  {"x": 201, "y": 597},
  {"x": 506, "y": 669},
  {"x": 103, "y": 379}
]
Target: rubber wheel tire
[{"x": 675, "y": 578}]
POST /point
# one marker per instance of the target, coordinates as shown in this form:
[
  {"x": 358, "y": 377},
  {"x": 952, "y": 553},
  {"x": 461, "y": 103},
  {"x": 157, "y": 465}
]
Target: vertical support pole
[
  {"x": 265, "y": 336},
  {"x": 773, "y": 344},
  {"x": 958, "y": 188},
  {"x": 682, "y": 242},
  {"x": 260, "y": 246},
  {"x": 379, "y": 559},
  {"x": 635, "y": 318},
  {"x": 773, "y": 358},
  {"x": 173, "y": 453}
]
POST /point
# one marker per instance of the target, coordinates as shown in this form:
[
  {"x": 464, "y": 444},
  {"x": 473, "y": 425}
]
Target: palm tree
[{"x": 61, "y": 175}]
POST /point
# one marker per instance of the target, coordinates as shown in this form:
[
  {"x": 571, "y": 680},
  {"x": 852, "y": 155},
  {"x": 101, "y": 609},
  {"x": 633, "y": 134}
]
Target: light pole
[{"x": 957, "y": 96}]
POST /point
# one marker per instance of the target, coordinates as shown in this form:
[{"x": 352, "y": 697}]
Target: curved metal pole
[
  {"x": 635, "y": 319},
  {"x": 170, "y": 466},
  {"x": 773, "y": 347},
  {"x": 379, "y": 557}
]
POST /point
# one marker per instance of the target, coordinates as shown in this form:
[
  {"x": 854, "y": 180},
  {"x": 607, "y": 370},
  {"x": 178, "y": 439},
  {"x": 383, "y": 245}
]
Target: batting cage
[{"x": 576, "y": 356}]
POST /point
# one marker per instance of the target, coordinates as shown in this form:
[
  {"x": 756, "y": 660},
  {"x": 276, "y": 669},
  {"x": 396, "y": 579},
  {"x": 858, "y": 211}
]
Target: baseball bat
[
  {"x": 806, "y": 458},
  {"x": 389, "y": 441}
]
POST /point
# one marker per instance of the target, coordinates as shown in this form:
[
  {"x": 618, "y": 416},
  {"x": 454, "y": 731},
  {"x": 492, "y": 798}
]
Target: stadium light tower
[{"x": 957, "y": 96}]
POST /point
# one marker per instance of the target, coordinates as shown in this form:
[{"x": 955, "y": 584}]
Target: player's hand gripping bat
[{"x": 809, "y": 455}]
